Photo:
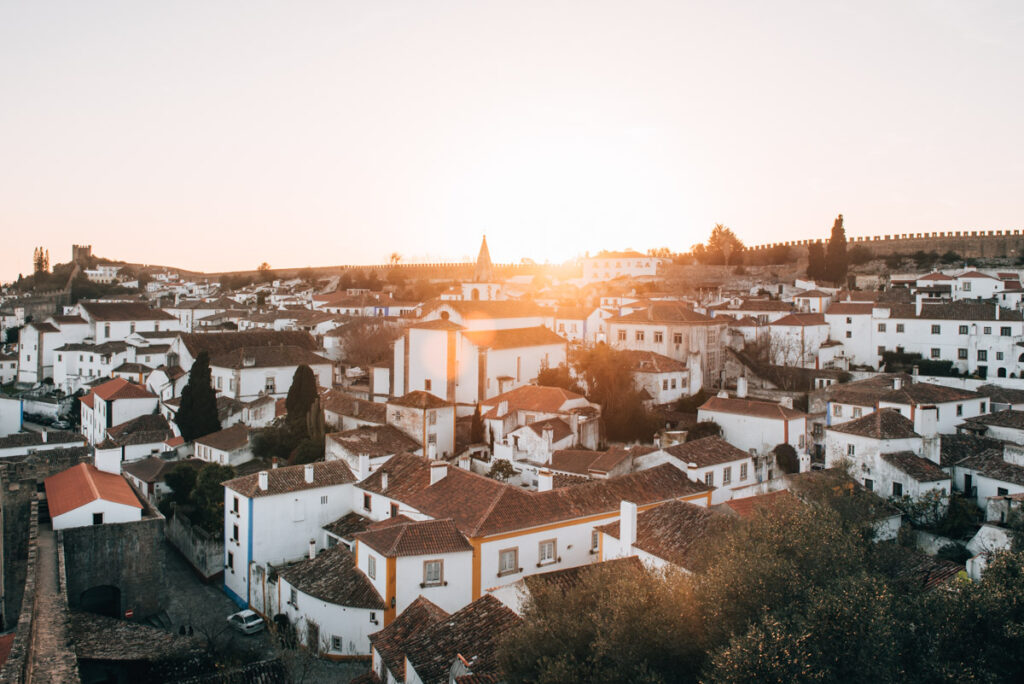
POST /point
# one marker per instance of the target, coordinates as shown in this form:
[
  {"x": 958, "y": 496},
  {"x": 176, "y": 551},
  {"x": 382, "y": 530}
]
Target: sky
[{"x": 218, "y": 135}]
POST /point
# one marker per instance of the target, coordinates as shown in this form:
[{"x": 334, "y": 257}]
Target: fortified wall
[{"x": 968, "y": 244}]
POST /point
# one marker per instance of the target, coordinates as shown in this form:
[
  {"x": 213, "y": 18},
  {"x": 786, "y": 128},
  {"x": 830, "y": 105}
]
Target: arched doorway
[
  {"x": 474, "y": 294},
  {"x": 104, "y": 600}
]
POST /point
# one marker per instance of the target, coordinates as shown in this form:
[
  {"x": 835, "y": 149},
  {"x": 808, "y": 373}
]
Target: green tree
[
  {"x": 301, "y": 395},
  {"x": 501, "y": 469},
  {"x": 786, "y": 458},
  {"x": 836, "y": 260},
  {"x": 705, "y": 428},
  {"x": 476, "y": 427},
  {"x": 207, "y": 497},
  {"x": 197, "y": 414},
  {"x": 722, "y": 247},
  {"x": 182, "y": 480},
  {"x": 558, "y": 376},
  {"x": 816, "y": 261},
  {"x": 610, "y": 384}
]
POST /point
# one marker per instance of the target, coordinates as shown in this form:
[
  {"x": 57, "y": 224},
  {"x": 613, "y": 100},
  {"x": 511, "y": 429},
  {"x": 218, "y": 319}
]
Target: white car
[{"x": 246, "y": 622}]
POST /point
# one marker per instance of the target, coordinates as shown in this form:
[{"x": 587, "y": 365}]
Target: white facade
[
  {"x": 250, "y": 383},
  {"x": 84, "y": 515},
  {"x": 620, "y": 264}
]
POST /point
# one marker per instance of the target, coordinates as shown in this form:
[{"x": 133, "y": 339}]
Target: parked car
[
  {"x": 246, "y": 622},
  {"x": 61, "y": 425}
]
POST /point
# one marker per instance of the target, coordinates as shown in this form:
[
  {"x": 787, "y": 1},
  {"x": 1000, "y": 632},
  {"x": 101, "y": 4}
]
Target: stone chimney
[
  {"x": 741, "y": 387},
  {"x": 274, "y": 463},
  {"x": 438, "y": 471},
  {"x": 915, "y": 371},
  {"x": 364, "y": 466},
  {"x": 44, "y": 435},
  {"x": 897, "y": 383},
  {"x": 309, "y": 473},
  {"x": 997, "y": 312},
  {"x": 545, "y": 480},
  {"x": 627, "y": 526},
  {"x": 264, "y": 480},
  {"x": 384, "y": 481},
  {"x": 312, "y": 549},
  {"x": 918, "y": 303}
]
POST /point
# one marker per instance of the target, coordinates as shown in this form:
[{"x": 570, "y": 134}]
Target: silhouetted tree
[
  {"x": 835, "y": 259},
  {"x": 476, "y": 427},
  {"x": 197, "y": 414}
]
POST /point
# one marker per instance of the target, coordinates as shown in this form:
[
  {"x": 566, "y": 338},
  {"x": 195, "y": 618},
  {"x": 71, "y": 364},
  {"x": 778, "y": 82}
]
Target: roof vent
[
  {"x": 264, "y": 480},
  {"x": 309, "y": 473}
]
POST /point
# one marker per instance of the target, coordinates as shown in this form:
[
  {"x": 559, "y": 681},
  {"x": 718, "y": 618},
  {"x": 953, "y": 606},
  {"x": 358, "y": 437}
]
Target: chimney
[
  {"x": 432, "y": 451},
  {"x": 364, "y": 466},
  {"x": 786, "y": 402},
  {"x": 384, "y": 481},
  {"x": 312, "y": 549},
  {"x": 741, "y": 387},
  {"x": 264, "y": 480},
  {"x": 274, "y": 465},
  {"x": 464, "y": 462},
  {"x": 502, "y": 408},
  {"x": 373, "y": 436},
  {"x": 549, "y": 435},
  {"x": 44, "y": 435},
  {"x": 627, "y": 526},
  {"x": 355, "y": 409},
  {"x": 897, "y": 383},
  {"x": 915, "y": 371},
  {"x": 545, "y": 480},
  {"x": 722, "y": 394},
  {"x": 926, "y": 421},
  {"x": 997, "y": 312},
  {"x": 309, "y": 473},
  {"x": 438, "y": 471},
  {"x": 918, "y": 303}
]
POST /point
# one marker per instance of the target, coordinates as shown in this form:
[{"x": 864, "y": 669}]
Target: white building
[
  {"x": 756, "y": 426},
  {"x": 611, "y": 265},
  {"x": 83, "y": 495},
  {"x": 113, "y": 403},
  {"x": 229, "y": 446}
]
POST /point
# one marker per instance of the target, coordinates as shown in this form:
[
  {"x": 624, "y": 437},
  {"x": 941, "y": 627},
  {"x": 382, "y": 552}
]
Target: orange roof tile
[
  {"x": 83, "y": 484},
  {"x": 119, "y": 388}
]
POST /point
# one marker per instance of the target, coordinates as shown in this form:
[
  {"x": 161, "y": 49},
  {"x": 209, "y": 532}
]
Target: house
[
  {"x": 1002, "y": 398},
  {"x": 78, "y": 363},
  {"x": 1007, "y": 426},
  {"x": 669, "y": 534},
  {"x": 114, "y": 402},
  {"x": 115, "y": 321},
  {"x": 377, "y": 443},
  {"x": 270, "y": 516},
  {"x": 389, "y": 645},
  {"x": 149, "y": 475},
  {"x": 756, "y": 426},
  {"x": 83, "y": 495},
  {"x": 425, "y": 557},
  {"x": 528, "y": 404},
  {"x": 710, "y": 460},
  {"x": 344, "y": 411},
  {"x": 795, "y": 340},
  {"x": 332, "y": 606},
  {"x": 580, "y": 324},
  {"x": 185, "y": 347},
  {"x": 676, "y": 331},
  {"x": 988, "y": 474},
  {"x": 247, "y": 373},
  {"x": 611, "y": 265},
  {"x": 141, "y": 437},
  {"x": 539, "y": 441},
  {"x": 665, "y": 379},
  {"x": 24, "y": 443},
  {"x": 572, "y": 464},
  {"x": 812, "y": 301},
  {"x": 230, "y": 446},
  {"x": 427, "y": 419},
  {"x": 8, "y": 368}
]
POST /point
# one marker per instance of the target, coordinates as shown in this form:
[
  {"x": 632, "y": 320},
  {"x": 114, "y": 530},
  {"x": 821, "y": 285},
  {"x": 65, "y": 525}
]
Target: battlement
[{"x": 966, "y": 243}]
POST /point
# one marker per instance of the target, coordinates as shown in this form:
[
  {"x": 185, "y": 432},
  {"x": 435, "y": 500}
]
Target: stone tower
[{"x": 484, "y": 268}]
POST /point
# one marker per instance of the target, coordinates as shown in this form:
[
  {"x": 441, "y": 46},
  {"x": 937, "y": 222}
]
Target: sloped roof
[
  {"x": 913, "y": 393},
  {"x": 751, "y": 407},
  {"x": 1005, "y": 419},
  {"x": 119, "y": 388},
  {"x": 375, "y": 440},
  {"x": 559, "y": 428},
  {"x": 415, "y": 538},
  {"x": 707, "y": 451},
  {"x": 513, "y": 338},
  {"x": 672, "y": 531},
  {"x": 349, "y": 405},
  {"x": 267, "y": 357},
  {"x": 420, "y": 399},
  {"x": 332, "y": 576},
  {"x": 802, "y": 320},
  {"x": 220, "y": 342},
  {"x": 747, "y": 506},
  {"x": 407, "y": 474},
  {"x": 650, "y": 362},
  {"x": 880, "y": 424},
  {"x": 921, "y": 469},
  {"x": 228, "y": 439},
  {"x": 124, "y": 311},
  {"x": 472, "y": 633},
  {"x": 585, "y": 461},
  {"x": 850, "y": 308},
  {"x": 392, "y": 641},
  {"x": 992, "y": 465},
  {"x": 84, "y": 483},
  {"x": 292, "y": 479},
  {"x": 955, "y": 448},
  {"x": 348, "y": 525},
  {"x": 667, "y": 312},
  {"x": 1002, "y": 395},
  {"x": 154, "y": 468},
  {"x": 532, "y": 398}
]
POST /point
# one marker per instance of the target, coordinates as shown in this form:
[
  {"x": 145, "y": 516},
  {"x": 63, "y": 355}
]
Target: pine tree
[
  {"x": 197, "y": 415},
  {"x": 836, "y": 261},
  {"x": 301, "y": 396}
]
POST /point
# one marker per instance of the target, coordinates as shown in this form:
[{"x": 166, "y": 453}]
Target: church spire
[{"x": 484, "y": 269}]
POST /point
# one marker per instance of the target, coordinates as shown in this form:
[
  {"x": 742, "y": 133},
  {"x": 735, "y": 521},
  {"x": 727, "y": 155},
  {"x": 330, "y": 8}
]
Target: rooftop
[
  {"x": 332, "y": 576},
  {"x": 880, "y": 424},
  {"x": 707, "y": 451},
  {"x": 920, "y": 469},
  {"x": 292, "y": 479},
  {"x": 672, "y": 531},
  {"x": 416, "y": 538},
  {"x": 751, "y": 407},
  {"x": 84, "y": 483}
]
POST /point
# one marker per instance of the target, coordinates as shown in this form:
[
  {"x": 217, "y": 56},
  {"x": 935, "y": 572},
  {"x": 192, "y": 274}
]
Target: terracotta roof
[
  {"x": 348, "y": 405},
  {"x": 292, "y": 479},
  {"x": 568, "y": 579},
  {"x": 220, "y": 342},
  {"x": 531, "y": 398},
  {"x": 407, "y": 474},
  {"x": 513, "y": 338},
  {"x": 761, "y": 305},
  {"x": 666, "y": 312},
  {"x": 266, "y": 357},
  {"x": 976, "y": 274},
  {"x": 802, "y": 320},
  {"x": 955, "y": 311},
  {"x": 811, "y": 294},
  {"x": 119, "y": 388},
  {"x": 880, "y": 424},
  {"x": 29, "y": 439},
  {"x": 481, "y": 506},
  {"x": 913, "y": 393},
  {"x": 672, "y": 531},
  {"x": 559, "y": 428},
  {"x": 420, "y": 399},
  {"x": 746, "y": 506},
  {"x": 146, "y": 429},
  {"x": 1005, "y": 419},
  {"x": 472, "y": 633},
  {"x": 228, "y": 439},
  {"x": 154, "y": 468},
  {"x": 583, "y": 461},
  {"x": 750, "y": 407},
  {"x": 492, "y": 309},
  {"x": 332, "y": 576},
  {"x": 650, "y": 362},
  {"x": 850, "y": 308},
  {"x": 865, "y": 392},
  {"x": 991, "y": 464},
  {"x": 418, "y": 538},
  {"x": 936, "y": 276},
  {"x": 436, "y": 324},
  {"x": 124, "y": 311},
  {"x": 1002, "y": 395},
  {"x": 919, "y": 570},
  {"x": 348, "y": 525},
  {"x": 392, "y": 641},
  {"x": 375, "y": 440},
  {"x": 84, "y": 483},
  {"x": 707, "y": 451},
  {"x": 68, "y": 320},
  {"x": 920, "y": 469},
  {"x": 955, "y": 448},
  {"x": 107, "y": 639}
]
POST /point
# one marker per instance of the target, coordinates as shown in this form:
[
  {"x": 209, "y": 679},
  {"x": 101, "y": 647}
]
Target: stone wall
[
  {"x": 14, "y": 669},
  {"x": 203, "y": 551},
  {"x": 968, "y": 244},
  {"x": 128, "y": 556}
]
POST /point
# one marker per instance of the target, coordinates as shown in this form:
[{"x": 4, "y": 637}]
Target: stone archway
[{"x": 104, "y": 599}]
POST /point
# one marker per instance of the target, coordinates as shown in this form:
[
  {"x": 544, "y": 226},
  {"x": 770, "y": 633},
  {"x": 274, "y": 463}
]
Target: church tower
[{"x": 484, "y": 268}]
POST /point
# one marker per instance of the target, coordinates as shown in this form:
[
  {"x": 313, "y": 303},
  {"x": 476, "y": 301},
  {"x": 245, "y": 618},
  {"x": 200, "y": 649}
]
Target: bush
[{"x": 706, "y": 428}]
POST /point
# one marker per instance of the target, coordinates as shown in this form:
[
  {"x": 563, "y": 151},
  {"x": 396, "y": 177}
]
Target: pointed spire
[{"x": 484, "y": 267}]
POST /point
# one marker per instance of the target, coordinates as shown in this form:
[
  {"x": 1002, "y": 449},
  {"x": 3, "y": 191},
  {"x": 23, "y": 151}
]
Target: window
[
  {"x": 427, "y": 385},
  {"x": 709, "y": 479},
  {"x": 983, "y": 355},
  {"x": 1001, "y": 491},
  {"x": 337, "y": 643},
  {"x": 373, "y": 618},
  {"x": 849, "y": 320},
  {"x": 371, "y": 567},
  {"x": 727, "y": 475},
  {"x": 220, "y": 382},
  {"x": 231, "y": 561},
  {"x": 270, "y": 386},
  {"x": 897, "y": 489},
  {"x": 546, "y": 552},
  {"x": 366, "y": 502},
  {"x": 1004, "y": 331},
  {"x": 982, "y": 407},
  {"x": 394, "y": 510},
  {"x": 293, "y": 597},
  {"x": 959, "y": 409},
  {"x": 899, "y": 327},
  {"x": 869, "y": 485},
  {"x": 881, "y": 327},
  {"x": 963, "y": 329},
  {"x": 677, "y": 338},
  {"x": 935, "y": 352},
  {"x": 639, "y": 335},
  {"x": 967, "y": 286},
  {"x": 234, "y": 532},
  {"x": 432, "y": 418},
  {"x": 961, "y": 353},
  {"x": 837, "y": 410},
  {"x": 235, "y": 505},
  {"x": 999, "y": 356},
  {"x": 849, "y": 334},
  {"x": 323, "y": 500},
  {"x": 508, "y": 561},
  {"x": 97, "y": 518},
  {"x": 432, "y": 438},
  {"x": 433, "y": 573},
  {"x": 622, "y": 336},
  {"x": 658, "y": 337},
  {"x": 987, "y": 330},
  {"x": 851, "y": 449},
  {"x": 881, "y": 349},
  {"x": 743, "y": 472},
  {"x": 857, "y": 411},
  {"x": 594, "y": 540},
  {"x": 106, "y": 330}
]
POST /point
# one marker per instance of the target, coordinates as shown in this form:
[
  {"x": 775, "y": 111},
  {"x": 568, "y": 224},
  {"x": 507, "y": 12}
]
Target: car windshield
[{"x": 252, "y": 619}]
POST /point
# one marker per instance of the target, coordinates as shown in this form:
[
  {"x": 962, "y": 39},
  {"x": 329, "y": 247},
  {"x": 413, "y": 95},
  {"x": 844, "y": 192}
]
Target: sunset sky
[{"x": 216, "y": 135}]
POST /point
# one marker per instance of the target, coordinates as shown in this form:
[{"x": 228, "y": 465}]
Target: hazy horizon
[{"x": 215, "y": 136}]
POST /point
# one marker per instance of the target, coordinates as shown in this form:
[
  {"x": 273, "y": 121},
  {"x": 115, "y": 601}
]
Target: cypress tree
[
  {"x": 476, "y": 427},
  {"x": 836, "y": 260},
  {"x": 816, "y": 261},
  {"x": 301, "y": 396},
  {"x": 197, "y": 415}
]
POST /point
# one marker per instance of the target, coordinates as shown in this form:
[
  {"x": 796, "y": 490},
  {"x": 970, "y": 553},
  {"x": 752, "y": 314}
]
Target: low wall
[
  {"x": 203, "y": 551},
  {"x": 14, "y": 669}
]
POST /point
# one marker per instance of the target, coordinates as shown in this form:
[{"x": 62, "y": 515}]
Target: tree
[
  {"x": 706, "y": 428},
  {"x": 860, "y": 255},
  {"x": 182, "y": 480},
  {"x": 208, "y": 495},
  {"x": 197, "y": 414},
  {"x": 394, "y": 258},
  {"x": 476, "y": 427},
  {"x": 786, "y": 458},
  {"x": 264, "y": 272},
  {"x": 836, "y": 260},
  {"x": 723, "y": 247},
  {"x": 558, "y": 376},
  {"x": 610, "y": 384},
  {"x": 301, "y": 395},
  {"x": 502, "y": 470},
  {"x": 367, "y": 341}
]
